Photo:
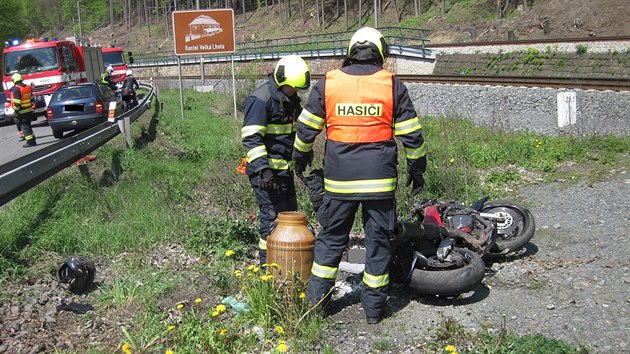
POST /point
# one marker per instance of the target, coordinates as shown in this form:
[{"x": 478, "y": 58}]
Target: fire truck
[
  {"x": 47, "y": 65},
  {"x": 115, "y": 57}
]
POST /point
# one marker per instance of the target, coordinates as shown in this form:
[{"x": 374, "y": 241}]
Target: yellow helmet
[
  {"x": 16, "y": 78},
  {"x": 366, "y": 37},
  {"x": 293, "y": 71}
]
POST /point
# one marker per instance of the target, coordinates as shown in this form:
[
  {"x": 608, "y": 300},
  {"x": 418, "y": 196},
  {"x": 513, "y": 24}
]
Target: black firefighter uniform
[
  {"x": 363, "y": 107},
  {"x": 268, "y": 133}
]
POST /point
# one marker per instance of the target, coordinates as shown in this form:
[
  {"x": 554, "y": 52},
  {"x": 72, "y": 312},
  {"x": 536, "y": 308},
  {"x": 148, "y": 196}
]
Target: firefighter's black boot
[{"x": 30, "y": 143}]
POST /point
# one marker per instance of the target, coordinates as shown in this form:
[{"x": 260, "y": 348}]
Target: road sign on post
[{"x": 204, "y": 31}]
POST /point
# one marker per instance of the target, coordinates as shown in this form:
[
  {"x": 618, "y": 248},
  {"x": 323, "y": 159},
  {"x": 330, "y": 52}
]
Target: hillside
[{"x": 464, "y": 21}]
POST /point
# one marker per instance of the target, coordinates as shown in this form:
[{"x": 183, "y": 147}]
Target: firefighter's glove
[
  {"x": 315, "y": 184},
  {"x": 300, "y": 168},
  {"x": 267, "y": 180},
  {"x": 417, "y": 183},
  {"x": 302, "y": 162}
]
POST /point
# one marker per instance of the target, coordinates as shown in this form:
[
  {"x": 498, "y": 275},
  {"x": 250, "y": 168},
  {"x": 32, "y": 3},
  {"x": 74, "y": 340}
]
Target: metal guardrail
[
  {"x": 408, "y": 42},
  {"x": 24, "y": 173}
]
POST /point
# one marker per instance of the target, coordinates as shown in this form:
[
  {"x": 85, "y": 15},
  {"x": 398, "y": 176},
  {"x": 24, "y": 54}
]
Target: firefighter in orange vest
[
  {"x": 21, "y": 98},
  {"x": 363, "y": 108},
  {"x": 268, "y": 134}
]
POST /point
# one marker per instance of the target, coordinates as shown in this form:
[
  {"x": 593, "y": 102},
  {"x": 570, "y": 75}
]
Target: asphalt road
[{"x": 11, "y": 148}]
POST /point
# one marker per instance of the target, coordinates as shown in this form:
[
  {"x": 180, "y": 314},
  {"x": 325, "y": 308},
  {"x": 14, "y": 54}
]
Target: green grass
[{"x": 178, "y": 186}]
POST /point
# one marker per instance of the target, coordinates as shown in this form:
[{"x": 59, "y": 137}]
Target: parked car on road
[{"x": 79, "y": 107}]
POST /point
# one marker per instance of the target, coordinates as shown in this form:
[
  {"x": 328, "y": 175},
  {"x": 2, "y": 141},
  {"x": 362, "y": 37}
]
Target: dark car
[
  {"x": 4, "y": 119},
  {"x": 79, "y": 107}
]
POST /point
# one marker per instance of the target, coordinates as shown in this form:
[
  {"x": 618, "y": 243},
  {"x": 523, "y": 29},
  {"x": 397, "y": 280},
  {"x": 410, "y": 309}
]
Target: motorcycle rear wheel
[
  {"x": 447, "y": 278},
  {"x": 517, "y": 229}
]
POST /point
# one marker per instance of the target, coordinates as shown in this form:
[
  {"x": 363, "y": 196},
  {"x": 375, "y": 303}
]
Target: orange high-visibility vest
[
  {"x": 359, "y": 108},
  {"x": 24, "y": 102}
]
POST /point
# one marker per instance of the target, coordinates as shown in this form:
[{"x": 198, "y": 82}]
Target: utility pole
[{"x": 79, "y": 16}]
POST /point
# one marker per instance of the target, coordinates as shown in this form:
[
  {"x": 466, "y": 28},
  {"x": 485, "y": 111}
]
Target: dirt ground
[{"x": 562, "y": 18}]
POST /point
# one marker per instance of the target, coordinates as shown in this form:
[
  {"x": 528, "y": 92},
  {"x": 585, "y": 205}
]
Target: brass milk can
[{"x": 291, "y": 246}]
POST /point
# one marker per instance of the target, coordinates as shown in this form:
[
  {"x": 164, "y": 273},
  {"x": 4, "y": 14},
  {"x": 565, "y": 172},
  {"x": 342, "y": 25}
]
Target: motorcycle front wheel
[
  {"x": 462, "y": 273},
  {"x": 516, "y": 229}
]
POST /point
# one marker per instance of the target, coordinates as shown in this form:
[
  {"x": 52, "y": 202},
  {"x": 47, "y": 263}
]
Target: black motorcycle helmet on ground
[{"x": 76, "y": 274}]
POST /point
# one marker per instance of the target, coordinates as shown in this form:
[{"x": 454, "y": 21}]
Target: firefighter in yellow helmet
[
  {"x": 22, "y": 100},
  {"x": 270, "y": 113},
  {"x": 363, "y": 108}
]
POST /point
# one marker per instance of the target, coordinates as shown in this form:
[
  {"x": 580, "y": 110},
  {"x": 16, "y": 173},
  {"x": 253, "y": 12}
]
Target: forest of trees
[{"x": 37, "y": 18}]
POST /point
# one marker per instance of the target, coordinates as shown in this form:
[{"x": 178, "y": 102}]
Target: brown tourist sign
[{"x": 204, "y": 31}]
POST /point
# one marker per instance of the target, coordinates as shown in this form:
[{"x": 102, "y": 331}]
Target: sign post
[{"x": 200, "y": 32}]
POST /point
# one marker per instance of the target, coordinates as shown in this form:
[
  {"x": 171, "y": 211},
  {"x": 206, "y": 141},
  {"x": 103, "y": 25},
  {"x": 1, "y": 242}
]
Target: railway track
[{"x": 513, "y": 81}]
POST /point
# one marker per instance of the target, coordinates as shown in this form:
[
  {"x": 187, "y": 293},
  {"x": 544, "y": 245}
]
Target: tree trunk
[
  {"x": 396, "y": 12},
  {"x": 443, "y": 7},
  {"x": 360, "y": 14},
  {"x": 111, "y": 15},
  {"x": 345, "y": 13}
]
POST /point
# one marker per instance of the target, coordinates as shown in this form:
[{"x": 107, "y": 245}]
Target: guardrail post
[{"x": 125, "y": 127}]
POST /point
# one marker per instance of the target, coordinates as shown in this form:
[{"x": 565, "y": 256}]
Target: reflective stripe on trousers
[{"x": 336, "y": 218}]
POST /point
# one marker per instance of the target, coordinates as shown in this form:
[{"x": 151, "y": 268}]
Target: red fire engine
[
  {"x": 114, "y": 56},
  {"x": 47, "y": 65}
]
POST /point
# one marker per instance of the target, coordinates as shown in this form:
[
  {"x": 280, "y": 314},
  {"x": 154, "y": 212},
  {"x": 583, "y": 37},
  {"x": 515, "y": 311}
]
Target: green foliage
[
  {"x": 452, "y": 337},
  {"x": 581, "y": 49}
]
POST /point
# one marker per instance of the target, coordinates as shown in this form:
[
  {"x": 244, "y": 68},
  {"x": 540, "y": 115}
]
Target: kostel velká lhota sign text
[{"x": 204, "y": 32}]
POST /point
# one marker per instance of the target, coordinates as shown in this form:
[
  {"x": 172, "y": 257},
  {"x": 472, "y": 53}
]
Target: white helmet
[
  {"x": 129, "y": 72},
  {"x": 368, "y": 36},
  {"x": 109, "y": 69},
  {"x": 293, "y": 71}
]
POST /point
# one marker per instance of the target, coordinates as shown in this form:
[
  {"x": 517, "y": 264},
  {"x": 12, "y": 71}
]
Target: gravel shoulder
[{"x": 572, "y": 284}]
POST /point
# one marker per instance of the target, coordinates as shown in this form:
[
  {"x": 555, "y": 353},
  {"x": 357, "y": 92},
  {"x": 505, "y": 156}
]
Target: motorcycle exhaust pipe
[{"x": 418, "y": 231}]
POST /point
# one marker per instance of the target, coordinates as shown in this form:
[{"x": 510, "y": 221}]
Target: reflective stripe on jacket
[
  {"x": 359, "y": 109},
  {"x": 21, "y": 96},
  {"x": 361, "y": 167},
  {"x": 268, "y": 130}
]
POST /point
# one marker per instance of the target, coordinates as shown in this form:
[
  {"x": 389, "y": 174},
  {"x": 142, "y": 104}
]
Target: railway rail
[{"x": 514, "y": 81}]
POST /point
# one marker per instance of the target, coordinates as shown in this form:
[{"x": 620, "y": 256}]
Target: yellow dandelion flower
[
  {"x": 302, "y": 295},
  {"x": 267, "y": 277},
  {"x": 243, "y": 288},
  {"x": 229, "y": 253},
  {"x": 180, "y": 306},
  {"x": 237, "y": 273},
  {"x": 251, "y": 267},
  {"x": 197, "y": 300},
  {"x": 452, "y": 160},
  {"x": 215, "y": 313},
  {"x": 221, "y": 308},
  {"x": 279, "y": 329},
  {"x": 169, "y": 352},
  {"x": 450, "y": 348},
  {"x": 282, "y": 348},
  {"x": 171, "y": 328},
  {"x": 256, "y": 269},
  {"x": 274, "y": 265},
  {"x": 125, "y": 348},
  {"x": 223, "y": 332}
]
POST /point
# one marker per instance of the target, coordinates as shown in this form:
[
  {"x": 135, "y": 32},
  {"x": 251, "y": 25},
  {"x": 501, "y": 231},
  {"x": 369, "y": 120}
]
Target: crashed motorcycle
[{"x": 439, "y": 248}]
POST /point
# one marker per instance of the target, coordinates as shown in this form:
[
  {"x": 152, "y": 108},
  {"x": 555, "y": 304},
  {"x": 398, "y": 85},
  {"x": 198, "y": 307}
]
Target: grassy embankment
[{"x": 178, "y": 186}]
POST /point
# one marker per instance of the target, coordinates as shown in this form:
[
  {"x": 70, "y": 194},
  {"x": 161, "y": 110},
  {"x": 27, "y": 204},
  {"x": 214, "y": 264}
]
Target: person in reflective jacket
[
  {"x": 363, "y": 108},
  {"x": 270, "y": 113},
  {"x": 22, "y": 100}
]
